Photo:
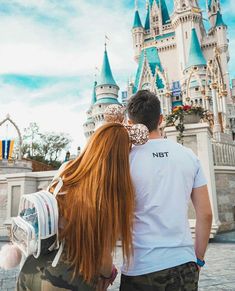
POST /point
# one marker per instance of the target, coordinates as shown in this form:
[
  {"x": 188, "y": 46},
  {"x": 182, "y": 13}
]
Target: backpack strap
[
  {"x": 58, "y": 179},
  {"x": 58, "y": 255}
]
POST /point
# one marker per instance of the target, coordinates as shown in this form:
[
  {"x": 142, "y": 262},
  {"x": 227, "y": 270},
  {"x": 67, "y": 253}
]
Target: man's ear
[{"x": 160, "y": 120}]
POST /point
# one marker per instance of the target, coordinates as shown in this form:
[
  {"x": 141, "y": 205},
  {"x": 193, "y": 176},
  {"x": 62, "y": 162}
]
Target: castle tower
[
  {"x": 195, "y": 72},
  {"x": 89, "y": 125},
  {"x": 157, "y": 16},
  {"x": 181, "y": 5},
  {"x": 106, "y": 92},
  {"x": 187, "y": 15},
  {"x": 137, "y": 34},
  {"x": 222, "y": 45},
  {"x": 213, "y": 7}
]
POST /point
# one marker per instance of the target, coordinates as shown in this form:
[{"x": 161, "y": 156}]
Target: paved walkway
[{"x": 217, "y": 275}]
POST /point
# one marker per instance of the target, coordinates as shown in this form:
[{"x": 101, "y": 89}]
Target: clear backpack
[{"x": 35, "y": 230}]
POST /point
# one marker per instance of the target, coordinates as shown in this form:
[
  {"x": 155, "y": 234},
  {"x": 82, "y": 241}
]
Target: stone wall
[
  {"x": 225, "y": 189},
  {"x": 12, "y": 186},
  {"x": 15, "y": 166}
]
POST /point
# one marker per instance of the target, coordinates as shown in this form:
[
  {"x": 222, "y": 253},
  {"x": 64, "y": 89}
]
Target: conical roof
[
  {"x": 196, "y": 56},
  {"x": 165, "y": 13},
  {"x": 106, "y": 77},
  {"x": 137, "y": 20},
  {"x": 219, "y": 20},
  {"x": 147, "y": 21}
]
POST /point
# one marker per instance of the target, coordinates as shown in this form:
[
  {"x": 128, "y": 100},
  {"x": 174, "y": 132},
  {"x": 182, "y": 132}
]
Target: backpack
[{"x": 35, "y": 230}]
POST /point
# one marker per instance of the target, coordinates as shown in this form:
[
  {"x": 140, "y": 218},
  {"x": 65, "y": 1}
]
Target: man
[{"x": 166, "y": 176}]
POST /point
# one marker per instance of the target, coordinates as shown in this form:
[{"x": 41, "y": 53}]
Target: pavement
[{"x": 217, "y": 275}]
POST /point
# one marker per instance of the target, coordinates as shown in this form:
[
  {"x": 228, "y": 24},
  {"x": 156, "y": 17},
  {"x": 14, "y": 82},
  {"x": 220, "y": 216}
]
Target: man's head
[{"x": 144, "y": 107}]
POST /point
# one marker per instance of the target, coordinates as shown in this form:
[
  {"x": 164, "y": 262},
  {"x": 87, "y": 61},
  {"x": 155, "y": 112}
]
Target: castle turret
[
  {"x": 106, "y": 92},
  {"x": 213, "y": 8},
  {"x": 196, "y": 65},
  {"x": 89, "y": 125},
  {"x": 187, "y": 14},
  {"x": 137, "y": 34},
  {"x": 222, "y": 45}
]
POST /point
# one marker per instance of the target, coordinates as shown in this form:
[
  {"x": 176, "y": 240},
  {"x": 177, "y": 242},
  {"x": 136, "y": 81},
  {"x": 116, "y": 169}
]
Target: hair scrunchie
[{"x": 138, "y": 133}]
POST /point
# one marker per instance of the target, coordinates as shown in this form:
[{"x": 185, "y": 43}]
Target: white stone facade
[{"x": 172, "y": 38}]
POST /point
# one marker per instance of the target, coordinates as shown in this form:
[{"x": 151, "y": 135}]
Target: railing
[{"x": 224, "y": 154}]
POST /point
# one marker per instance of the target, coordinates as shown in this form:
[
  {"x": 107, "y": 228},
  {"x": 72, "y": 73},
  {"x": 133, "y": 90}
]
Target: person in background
[
  {"x": 96, "y": 205},
  {"x": 166, "y": 176}
]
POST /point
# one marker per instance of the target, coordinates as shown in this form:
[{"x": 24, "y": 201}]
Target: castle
[
  {"x": 179, "y": 60},
  {"x": 184, "y": 64}
]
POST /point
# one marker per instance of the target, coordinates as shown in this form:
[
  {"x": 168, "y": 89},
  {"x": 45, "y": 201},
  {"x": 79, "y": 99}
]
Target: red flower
[{"x": 187, "y": 107}]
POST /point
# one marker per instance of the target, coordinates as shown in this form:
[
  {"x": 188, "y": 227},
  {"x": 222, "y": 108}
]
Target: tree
[
  {"x": 53, "y": 144},
  {"x": 31, "y": 140},
  {"x": 44, "y": 147}
]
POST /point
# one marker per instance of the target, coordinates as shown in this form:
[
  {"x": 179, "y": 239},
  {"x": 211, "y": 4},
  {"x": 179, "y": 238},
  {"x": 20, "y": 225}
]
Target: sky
[{"x": 49, "y": 50}]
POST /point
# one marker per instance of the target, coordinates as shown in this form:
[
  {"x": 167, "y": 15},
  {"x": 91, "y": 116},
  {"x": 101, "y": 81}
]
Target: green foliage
[
  {"x": 44, "y": 147},
  {"x": 177, "y": 117}
]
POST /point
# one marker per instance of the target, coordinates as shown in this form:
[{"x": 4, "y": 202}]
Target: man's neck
[{"x": 155, "y": 134}]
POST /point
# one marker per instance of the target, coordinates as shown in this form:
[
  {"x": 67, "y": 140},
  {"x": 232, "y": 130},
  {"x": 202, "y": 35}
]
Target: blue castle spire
[
  {"x": 137, "y": 20},
  {"x": 147, "y": 21},
  {"x": 165, "y": 13},
  {"x": 106, "y": 77},
  {"x": 196, "y": 56},
  {"x": 219, "y": 20},
  {"x": 93, "y": 99}
]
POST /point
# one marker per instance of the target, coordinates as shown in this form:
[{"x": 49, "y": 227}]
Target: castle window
[
  {"x": 110, "y": 87},
  {"x": 186, "y": 34},
  {"x": 196, "y": 89},
  {"x": 155, "y": 19}
]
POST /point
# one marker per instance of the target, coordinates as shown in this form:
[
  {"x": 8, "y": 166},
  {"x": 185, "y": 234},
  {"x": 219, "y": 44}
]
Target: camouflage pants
[
  {"x": 39, "y": 275},
  {"x": 181, "y": 278}
]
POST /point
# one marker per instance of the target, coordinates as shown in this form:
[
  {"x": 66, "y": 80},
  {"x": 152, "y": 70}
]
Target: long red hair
[{"x": 99, "y": 202}]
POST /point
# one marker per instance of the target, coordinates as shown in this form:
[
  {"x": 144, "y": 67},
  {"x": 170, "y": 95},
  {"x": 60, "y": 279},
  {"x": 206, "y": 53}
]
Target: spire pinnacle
[
  {"x": 106, "y": 76},
  {"x": 136, "y": 5},
  {"x": 147, "y": 20},
  {"x": 105, "y": 42}
]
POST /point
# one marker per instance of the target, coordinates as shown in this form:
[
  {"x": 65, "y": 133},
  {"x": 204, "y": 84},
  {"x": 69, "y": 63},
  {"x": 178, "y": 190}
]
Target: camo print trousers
[
  {"x": 181, "y": 278},
  {"x": 39, "y": 275}
]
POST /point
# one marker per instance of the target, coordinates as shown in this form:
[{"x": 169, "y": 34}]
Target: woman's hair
[{"x": 99, "y": 202}]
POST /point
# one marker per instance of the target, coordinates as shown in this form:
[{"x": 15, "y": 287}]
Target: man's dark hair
[{"x": 144, "y": 107}]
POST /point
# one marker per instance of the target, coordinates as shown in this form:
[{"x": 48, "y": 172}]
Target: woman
[{"x": 96, "y": 209}]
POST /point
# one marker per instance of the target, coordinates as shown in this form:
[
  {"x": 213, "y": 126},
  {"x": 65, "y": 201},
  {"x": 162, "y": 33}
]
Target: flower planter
[{"x": 191, "y": 118}]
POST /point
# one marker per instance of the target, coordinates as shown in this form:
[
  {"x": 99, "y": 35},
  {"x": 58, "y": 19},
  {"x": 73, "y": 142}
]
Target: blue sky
[{"x": 49, "y": 50}]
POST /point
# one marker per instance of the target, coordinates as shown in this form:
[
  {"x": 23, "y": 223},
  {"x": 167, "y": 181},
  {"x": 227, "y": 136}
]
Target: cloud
[{"x": 70, "y": 41}]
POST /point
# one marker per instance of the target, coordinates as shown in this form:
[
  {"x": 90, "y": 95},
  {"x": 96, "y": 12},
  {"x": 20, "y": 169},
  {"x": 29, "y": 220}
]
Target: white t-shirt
[{"x": 164, "y": 174}]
